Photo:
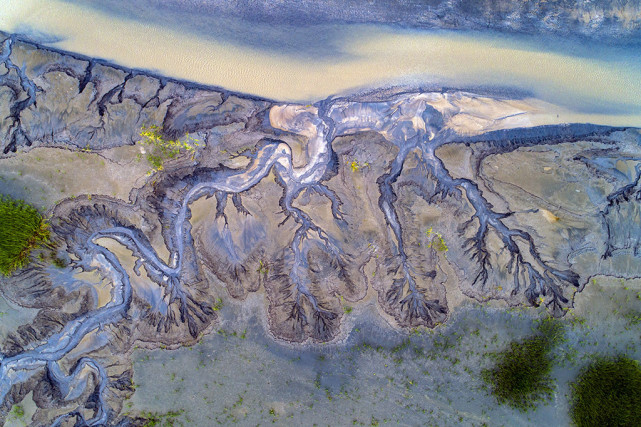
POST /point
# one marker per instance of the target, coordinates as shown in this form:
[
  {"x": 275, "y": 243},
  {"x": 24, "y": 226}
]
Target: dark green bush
[
  {"x": 22, "y": 229},
  {"x": 608, "y": 393},
  {"x": 520, "y": 376}
]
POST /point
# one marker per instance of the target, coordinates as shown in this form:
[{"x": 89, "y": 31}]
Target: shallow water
[
  {"x": 589, "y": 83},
  {"x": 240, "y": 375}
]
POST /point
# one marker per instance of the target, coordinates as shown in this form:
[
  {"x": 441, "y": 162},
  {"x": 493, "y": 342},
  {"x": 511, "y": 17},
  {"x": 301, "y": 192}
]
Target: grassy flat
[
  {"x": 608, "y": 393},
  {"x": 521, "y": 377},
  {"x": 22, "y": 228}
]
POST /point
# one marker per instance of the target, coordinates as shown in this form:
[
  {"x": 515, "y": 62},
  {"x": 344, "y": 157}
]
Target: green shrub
[
  {"x": 22, "y": 229},
  {"x": 521, "y": 377},
  {"x": 608, "y": 393}
]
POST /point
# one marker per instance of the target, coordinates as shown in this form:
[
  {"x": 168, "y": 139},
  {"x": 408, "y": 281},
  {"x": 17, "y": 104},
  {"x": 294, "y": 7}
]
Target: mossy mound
[
  {"x": 521, "y": 377},
  {"x": 22, "y": 229},
  {"x": 608, "y": 393}
]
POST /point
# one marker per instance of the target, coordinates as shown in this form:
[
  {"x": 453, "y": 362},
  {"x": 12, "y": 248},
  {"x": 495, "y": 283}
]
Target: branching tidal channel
[{"x": 488, "y": 246}]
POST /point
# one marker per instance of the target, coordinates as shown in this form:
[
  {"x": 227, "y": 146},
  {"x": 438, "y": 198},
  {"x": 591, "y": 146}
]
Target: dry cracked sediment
[{"x": 402, "y": 198}]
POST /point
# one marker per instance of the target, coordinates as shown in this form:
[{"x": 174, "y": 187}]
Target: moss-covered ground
[
  {"x": 608, "y": 393},
  {"x": 521, "y": 376}
]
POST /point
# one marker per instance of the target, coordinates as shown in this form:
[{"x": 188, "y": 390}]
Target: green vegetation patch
[
  {"x": 263, "y": 268},
  {"x": 153, "y": 419},
  {"x": 436, "y": 241},
  {"x": 521, "y": 377},
  {"x": 608, "y": 393},
  {"x": 17, "y": 412},
  {"x": 22, "y": 229},
  {"x": 355, "y": 165},
  {"x": 160, "y": 149}
]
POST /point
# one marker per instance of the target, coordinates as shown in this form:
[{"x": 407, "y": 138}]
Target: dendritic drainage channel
[{"x": 397, "y": 199}]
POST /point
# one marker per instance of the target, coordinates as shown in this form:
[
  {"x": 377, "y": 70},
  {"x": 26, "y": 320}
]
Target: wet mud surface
[{"x": 400, "y": 203}]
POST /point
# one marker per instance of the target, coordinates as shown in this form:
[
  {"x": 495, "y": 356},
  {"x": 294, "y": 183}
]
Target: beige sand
[{"x": 373, "y": 57}]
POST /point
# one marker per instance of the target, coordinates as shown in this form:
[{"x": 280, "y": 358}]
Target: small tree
[{"x": 22, "y": 229}]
